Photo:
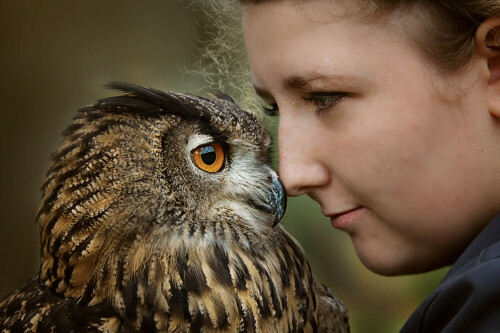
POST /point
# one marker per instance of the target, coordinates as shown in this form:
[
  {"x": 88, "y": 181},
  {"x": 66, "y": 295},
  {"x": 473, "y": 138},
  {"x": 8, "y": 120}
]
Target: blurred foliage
[{"x": 55, "y": 56}]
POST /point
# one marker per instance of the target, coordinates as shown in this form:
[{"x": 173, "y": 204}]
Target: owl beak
[
  {"x": 273, "y": 200},
  {"x": 277, "y": 198}
]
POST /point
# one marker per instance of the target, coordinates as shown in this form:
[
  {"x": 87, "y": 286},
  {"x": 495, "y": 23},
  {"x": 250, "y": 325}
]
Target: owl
[{"x": 160, "y": 213}]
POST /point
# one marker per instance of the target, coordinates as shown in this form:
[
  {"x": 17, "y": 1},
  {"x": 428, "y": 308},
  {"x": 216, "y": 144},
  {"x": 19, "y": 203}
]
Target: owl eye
[{"x": 209, "y": 158}]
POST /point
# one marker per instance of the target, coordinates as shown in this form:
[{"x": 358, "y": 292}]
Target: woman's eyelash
[
  {"x": 271, "y": 110},
  {"x": 326, "y": 100}
]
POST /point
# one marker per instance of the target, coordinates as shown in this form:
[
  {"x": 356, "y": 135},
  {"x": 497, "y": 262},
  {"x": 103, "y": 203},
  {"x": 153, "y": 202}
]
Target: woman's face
[{"x": 365, "y": 130}]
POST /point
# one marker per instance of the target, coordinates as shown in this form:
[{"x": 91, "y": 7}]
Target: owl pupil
[{"x": 208, "y": 155}]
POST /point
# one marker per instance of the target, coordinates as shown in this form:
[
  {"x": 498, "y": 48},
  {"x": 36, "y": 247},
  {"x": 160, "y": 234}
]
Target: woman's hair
[{"x": 443, "y": 30}]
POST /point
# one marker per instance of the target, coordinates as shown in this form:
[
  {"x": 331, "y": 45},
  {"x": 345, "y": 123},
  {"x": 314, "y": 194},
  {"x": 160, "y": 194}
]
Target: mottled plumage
[{"x": 136, "y": 237}]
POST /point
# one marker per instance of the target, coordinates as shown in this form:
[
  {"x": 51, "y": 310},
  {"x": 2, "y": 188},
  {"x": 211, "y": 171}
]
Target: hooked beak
[
  {"x": 274, "y": 201},
  {"x": 277, "y": 198}
]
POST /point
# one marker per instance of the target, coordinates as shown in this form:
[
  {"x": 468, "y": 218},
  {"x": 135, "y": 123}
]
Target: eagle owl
[{"x": 160, "y": 214}]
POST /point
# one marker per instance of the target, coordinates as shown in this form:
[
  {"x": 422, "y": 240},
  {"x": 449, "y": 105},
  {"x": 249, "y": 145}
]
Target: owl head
[{"x": 148, "y": 171}]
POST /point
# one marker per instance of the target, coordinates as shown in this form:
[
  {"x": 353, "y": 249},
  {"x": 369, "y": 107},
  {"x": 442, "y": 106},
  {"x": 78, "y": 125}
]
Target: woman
[{"x": 390, "y": 120}]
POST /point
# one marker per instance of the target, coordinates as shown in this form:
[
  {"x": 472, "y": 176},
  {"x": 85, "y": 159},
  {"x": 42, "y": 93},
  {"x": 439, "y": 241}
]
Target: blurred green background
[{"x": 54, "y": 58}]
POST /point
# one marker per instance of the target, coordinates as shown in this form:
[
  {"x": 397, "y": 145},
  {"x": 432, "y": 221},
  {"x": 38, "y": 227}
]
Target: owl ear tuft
[{"x": 148, "y": 101}]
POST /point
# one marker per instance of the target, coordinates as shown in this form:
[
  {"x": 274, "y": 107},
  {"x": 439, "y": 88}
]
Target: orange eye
[{"x": 209, "y": 158}]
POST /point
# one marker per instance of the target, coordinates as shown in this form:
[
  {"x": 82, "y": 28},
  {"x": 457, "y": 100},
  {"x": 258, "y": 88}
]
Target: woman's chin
[
  {"x": 393, "y": 262},
  {"x": 386, "y": 268}
]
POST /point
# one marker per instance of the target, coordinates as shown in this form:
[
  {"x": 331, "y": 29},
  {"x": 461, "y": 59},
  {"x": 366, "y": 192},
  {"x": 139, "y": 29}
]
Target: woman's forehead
[
  {"x": 274, "y": 29},
  {"x": 285, "y": 47},
  {"x": 317, "y": 10}
]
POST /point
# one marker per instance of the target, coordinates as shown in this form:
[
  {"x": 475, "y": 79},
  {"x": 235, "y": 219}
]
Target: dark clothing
[{"x": 468, "y": 298}]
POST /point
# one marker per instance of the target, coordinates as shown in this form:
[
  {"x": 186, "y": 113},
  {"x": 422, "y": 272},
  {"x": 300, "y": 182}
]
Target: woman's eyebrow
[
  {"x": 296, "y": 82},
  {"x": 292, "y": 82},
  {"x": 299, "y": 82}
]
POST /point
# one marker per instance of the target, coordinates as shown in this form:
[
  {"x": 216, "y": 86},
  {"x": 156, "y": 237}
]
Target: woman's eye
[
  {"x": 325, "y": 101},
  {"x": 271, "y": 110},
  {"x": 209, "y": 158}
]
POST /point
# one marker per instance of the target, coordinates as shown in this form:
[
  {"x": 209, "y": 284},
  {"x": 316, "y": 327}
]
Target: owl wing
[
  {"x": 332, "y": 314},
  {"x": 33, "y": 308}
]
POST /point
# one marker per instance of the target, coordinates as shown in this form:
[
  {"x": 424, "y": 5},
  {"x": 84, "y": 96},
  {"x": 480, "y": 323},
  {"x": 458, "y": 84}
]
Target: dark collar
[{"x": 489, "y": 236}]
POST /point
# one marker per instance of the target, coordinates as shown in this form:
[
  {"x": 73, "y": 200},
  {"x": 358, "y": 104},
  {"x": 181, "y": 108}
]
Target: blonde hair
[
  {"x": 443, "y": 30},
  {"x": 223, "y": 62}
]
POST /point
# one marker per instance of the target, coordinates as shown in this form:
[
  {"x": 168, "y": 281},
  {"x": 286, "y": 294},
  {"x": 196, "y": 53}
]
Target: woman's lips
[{"x": 346, "y": 218}]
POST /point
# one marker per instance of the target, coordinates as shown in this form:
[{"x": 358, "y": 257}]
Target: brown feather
[{"x": 135, "y": 238}]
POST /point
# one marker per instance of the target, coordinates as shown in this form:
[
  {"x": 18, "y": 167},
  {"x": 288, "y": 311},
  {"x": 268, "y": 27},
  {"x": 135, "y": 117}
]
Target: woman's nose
[{"x": 300, "y": 166}]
